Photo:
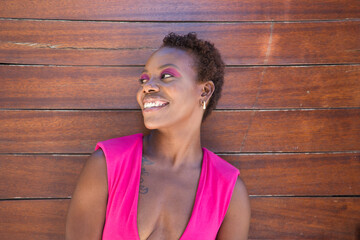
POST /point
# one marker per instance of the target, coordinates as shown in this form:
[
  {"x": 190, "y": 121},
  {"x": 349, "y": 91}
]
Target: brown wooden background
[{"x": 289, "y": 117}]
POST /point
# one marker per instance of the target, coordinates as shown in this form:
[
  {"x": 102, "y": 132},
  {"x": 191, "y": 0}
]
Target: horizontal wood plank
[
  {"x": 272, "y": 218},
  {"x": 304, "y": 87},
  {"x": 302, "y": 131},
  {"x": 305, "y": 218},
  {"x": 33, "y": 219},
  {"x": 326, "y": 43},
  {"x": 44, "y": 87},
  {"x": 42, "y": 176},
  {"x": 299, "y": 174},
  {"x": 39, "y": 176},
  {"x": 186, "y": 10},
  {"x": 45, "y": 131},
  {"x": 129, "y": 43}
]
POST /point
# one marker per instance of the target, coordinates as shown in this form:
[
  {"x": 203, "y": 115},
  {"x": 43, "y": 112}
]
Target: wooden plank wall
[{"x": 289, "y": 117}]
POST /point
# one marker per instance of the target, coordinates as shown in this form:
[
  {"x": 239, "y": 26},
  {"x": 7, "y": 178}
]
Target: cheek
[
  {"x": 186, "y": 94},
  {"x": 138, "y": 96}
]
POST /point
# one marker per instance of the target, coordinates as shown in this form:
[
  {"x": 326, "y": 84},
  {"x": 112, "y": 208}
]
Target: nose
[{"x": 150, "y": 86}]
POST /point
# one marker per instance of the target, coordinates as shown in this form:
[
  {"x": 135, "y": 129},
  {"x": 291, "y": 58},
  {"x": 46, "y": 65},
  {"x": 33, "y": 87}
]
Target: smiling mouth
[{"x": 154, "y": 105}]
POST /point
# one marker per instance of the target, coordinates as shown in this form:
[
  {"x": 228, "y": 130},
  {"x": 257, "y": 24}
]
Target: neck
[{"x": 175, "y": 147}]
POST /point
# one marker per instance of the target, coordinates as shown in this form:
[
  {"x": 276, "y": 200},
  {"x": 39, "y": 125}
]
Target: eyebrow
[{"x": 163, "y": 66}]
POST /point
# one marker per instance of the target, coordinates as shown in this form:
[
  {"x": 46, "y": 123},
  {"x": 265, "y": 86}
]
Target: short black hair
[{"x": 210, "y": 66}]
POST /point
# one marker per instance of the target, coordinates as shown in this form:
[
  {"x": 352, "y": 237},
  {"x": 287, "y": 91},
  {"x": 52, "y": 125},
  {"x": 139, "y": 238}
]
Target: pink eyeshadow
[
  {"x": 144, "y": 76},
  {"x": 171, "y": 71}
]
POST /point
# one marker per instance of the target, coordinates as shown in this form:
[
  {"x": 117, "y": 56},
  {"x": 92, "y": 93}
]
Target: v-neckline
[{"x": 199, "y": 190}]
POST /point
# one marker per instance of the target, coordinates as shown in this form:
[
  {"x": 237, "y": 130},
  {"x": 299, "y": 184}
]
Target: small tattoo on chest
[{"x": 143, "y": 189}]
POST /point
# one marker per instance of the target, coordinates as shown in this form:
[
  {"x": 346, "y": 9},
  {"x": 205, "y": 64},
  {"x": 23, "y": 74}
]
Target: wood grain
[
  {"x": 299, "y": 174},
  {"x": 303, "y": 87},
  {"x": 44, "y": 87},
  {"x": 305, "y": 218},
  {"x": 316, "y": 43},
  {"x": 39, "y": 176},
  {"x": 33, "y": 219},
  {"x": 302, "y": 131},
  {"x": 293, "y": 131},
  {"x": 117, "y": 43},
  {"x": 55, "y": 176},
  {"x": 129, "y": 43},
  {"x": 272, "y": 218},
  {"x": 235, "y": 131},
  {"x": 186, "y": 10},
  {"x": 64, "y": 131}
]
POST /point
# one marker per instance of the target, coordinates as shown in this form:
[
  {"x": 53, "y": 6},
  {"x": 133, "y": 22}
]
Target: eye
[
  {"x": 166, "y": 75},
  {"x": 143, "y": 78},
  {"x": 170, "y": 73}
]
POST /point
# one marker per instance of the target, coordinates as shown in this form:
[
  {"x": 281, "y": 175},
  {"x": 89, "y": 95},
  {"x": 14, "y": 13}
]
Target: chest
[{"x": 165, "y": 202}]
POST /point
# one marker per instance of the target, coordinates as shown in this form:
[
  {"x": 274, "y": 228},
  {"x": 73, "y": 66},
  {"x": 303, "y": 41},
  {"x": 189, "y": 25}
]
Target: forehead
[{"x": 166, "y": 55}]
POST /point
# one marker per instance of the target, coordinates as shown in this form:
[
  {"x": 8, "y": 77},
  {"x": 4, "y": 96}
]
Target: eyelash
[{"x": 142, "y": 80}]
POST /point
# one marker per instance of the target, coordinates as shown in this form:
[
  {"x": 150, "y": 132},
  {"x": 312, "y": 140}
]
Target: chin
[
  {"x": 167, "y": 119},
  {"x": 153, "y": 122},
  {"x": 150, "y": 126}
]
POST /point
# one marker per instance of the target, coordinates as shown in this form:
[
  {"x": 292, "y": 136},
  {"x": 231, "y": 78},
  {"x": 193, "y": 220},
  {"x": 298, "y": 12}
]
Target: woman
[{"x": 164, "y": 185}]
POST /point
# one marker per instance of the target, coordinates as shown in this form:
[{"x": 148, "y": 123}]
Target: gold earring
[{"x": 204, "y": 105}]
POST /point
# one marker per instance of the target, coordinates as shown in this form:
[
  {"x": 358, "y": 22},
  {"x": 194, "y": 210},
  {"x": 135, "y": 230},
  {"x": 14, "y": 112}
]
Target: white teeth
[{"x": 153, "y": 104}]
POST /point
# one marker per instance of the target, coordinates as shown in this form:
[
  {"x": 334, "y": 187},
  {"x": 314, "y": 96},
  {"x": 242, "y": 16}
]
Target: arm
[
  {"x": 86, "y": 214},
  {"x": 237, "y": 219}
]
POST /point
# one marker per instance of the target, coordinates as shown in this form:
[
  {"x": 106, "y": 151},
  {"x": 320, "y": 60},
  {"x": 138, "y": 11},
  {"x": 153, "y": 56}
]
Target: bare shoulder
[
  {"x": 97, "y": 160},
  {"x": 86, "y": 214},
  {"x": 94, "y": 170},
  {"x": 237, "y": 219}
]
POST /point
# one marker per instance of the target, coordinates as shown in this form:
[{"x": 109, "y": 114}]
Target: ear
[{"x": 207, "y": 90}]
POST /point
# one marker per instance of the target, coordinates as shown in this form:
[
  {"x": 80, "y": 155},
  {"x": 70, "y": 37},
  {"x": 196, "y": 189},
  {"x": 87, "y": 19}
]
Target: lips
[{"x": 154, "y": 104}]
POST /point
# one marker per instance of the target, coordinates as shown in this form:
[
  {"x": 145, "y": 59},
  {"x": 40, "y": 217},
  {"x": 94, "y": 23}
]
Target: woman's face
[{"x": 169, "y": 94}]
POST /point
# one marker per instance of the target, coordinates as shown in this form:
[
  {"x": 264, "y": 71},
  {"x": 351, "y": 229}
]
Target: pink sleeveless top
[{"x": 123, "y": 158}]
